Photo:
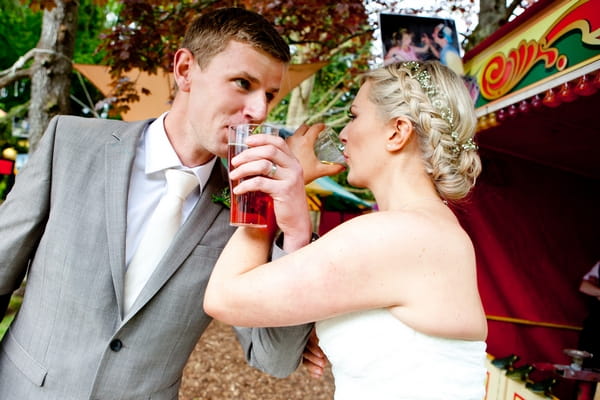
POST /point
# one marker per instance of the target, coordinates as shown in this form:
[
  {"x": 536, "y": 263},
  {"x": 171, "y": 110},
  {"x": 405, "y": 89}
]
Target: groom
[{"x": 73, "y": 220}]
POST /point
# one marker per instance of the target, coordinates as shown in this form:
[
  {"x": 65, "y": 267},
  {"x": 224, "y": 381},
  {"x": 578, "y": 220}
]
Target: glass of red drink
[{"x": 252, "y": 208}]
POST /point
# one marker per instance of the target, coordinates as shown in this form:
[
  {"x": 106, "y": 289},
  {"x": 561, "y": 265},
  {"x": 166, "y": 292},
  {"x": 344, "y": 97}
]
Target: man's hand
[
  {"x": 313, "y": 358},
  {"x": 302, "y": 145}
]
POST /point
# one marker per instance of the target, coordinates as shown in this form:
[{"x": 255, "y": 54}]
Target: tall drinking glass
[{"x": 252, "y": 208}]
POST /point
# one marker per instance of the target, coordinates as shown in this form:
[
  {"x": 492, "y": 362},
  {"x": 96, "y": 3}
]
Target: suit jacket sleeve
[
  {"x": 24, "y": 214},
  {"x": 276, "y": 351}
]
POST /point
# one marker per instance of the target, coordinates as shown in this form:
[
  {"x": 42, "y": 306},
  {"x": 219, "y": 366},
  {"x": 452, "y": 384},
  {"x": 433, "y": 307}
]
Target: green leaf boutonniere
[{"x": 222, "y": 197}]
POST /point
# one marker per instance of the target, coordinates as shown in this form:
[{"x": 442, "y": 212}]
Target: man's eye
[
  {"x": 350, "y": 115},
  {"x": 270, "y": 97},
  {"x": 243, "y": 83}
]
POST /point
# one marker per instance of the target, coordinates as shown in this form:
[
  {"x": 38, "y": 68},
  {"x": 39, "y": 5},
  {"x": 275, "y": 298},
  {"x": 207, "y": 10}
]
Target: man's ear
[
  {"x": 400, "y": 134},
  {"x": 182, "y": 70}
]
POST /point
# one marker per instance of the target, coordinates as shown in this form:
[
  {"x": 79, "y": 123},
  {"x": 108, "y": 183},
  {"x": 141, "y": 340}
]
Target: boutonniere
[{"x": 222, "y": 197}]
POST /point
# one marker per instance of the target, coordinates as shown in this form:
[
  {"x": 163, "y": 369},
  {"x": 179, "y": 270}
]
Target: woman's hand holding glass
[{"x": 302, "y": 145}]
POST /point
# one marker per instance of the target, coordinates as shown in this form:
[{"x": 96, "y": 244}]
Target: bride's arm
[{"x": 347, "y": 269}]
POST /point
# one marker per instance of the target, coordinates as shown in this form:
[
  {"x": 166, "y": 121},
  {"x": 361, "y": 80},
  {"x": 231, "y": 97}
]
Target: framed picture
[{"x": 408, "y": 37}]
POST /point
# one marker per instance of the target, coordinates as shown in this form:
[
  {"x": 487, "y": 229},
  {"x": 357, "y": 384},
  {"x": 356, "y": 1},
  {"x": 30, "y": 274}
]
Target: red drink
[{"x": 252, "y": 208}]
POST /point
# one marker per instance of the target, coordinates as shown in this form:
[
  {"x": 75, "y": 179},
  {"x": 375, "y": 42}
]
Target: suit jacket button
[{"x": 116, "y": 345}]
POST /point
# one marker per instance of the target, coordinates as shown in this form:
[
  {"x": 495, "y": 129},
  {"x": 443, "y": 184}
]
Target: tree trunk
[
  {"x": 492, "y": 15},
  {"x": 51, "y": 77},
  {"x": 299, "y": 102}
]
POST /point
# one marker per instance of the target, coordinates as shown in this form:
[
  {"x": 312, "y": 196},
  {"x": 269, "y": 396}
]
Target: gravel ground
[{"x": 217, "y": 370}]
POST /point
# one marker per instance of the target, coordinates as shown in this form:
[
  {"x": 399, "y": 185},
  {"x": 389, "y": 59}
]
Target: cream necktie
[{"x": 160, "y": 230}]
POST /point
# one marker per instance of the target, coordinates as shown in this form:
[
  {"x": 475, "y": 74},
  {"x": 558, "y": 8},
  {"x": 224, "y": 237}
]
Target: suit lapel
[
  {"x": 186, "y": 239},
  {"x": 119, "y": 156}
]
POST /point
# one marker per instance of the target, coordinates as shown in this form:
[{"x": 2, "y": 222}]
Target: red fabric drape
[{"x": 535, "y": 231}]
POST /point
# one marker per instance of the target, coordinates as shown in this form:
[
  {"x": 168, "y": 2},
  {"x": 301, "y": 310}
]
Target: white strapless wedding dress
[{"x": 374, "y": 356}]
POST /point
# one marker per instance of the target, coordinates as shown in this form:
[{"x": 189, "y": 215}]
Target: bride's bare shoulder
[
  {"x": 400, "y": 220},
  {"x": 384, "y": 227},
  {"x": 383, "y": 223}
]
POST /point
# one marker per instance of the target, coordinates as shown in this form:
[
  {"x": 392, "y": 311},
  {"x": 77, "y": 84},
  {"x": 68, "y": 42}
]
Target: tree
[
  {"x": 52, "y": 66},
  {"x": 46, "y": 66},
  {"x": 492, "y": 15},
  {"x": 141, "y": 38}
]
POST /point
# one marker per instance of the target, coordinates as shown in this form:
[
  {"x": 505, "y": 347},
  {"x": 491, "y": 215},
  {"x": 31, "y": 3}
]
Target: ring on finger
[{"x": 273, "y": 170}]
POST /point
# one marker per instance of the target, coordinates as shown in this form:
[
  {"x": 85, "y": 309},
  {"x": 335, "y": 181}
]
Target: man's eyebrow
[
  {"x": 249, "y": 77},
  {"x": 255, "y": 80}
]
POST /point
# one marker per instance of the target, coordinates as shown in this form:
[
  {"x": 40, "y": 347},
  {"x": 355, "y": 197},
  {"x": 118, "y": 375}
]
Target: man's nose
[{"x": 257, "y": 107}]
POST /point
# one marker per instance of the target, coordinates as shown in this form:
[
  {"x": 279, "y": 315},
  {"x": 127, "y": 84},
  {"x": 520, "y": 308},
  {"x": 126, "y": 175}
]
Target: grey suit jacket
[{"x": 64, "y": 223}]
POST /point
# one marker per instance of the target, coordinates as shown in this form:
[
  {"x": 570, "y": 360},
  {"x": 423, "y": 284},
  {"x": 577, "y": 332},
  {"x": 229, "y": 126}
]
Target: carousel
[{"x": 534, "y": 213}]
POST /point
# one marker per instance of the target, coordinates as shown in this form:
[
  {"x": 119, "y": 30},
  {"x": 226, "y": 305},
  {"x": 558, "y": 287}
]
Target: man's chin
[{"x": 222, "y": 151}]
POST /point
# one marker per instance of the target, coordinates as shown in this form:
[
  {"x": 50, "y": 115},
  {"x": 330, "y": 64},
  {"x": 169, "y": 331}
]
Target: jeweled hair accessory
[{"x": 440, "y": 103}]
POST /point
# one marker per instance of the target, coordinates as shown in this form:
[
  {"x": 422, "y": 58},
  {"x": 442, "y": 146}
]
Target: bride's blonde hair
[{"x": 437, "y": 102}]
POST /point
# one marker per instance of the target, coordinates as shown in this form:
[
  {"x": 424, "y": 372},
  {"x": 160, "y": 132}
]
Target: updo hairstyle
[{"x": 437, "y": 102}]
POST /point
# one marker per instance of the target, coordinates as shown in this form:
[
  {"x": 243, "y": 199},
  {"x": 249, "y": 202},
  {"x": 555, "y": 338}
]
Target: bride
[{"x": 394, "y": 292}]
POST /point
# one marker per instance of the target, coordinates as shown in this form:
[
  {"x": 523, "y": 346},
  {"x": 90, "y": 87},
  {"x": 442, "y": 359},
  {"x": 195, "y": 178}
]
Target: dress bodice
[{"x": 375, "y": 356}]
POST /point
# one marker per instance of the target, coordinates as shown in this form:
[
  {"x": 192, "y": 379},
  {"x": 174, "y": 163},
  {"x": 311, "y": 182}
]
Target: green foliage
[
  {"x": 4, "y": 184},
  {"x": 13, "y": 307},
  {"x": 91, "y": 22},
  {"x": 14, "y": 116},
  {"x": 20, "y": 30},
  {"x": 5, "y": 323}
]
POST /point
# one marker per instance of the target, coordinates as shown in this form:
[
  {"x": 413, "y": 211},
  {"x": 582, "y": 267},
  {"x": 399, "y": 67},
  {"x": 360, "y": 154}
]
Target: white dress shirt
[{"x": 155, "y": 154}]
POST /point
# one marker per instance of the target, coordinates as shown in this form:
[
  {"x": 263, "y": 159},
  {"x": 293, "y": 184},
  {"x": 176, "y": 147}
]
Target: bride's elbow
[
  {"x": 213, "y": 304},
  {"x": 228, "y": 304}
]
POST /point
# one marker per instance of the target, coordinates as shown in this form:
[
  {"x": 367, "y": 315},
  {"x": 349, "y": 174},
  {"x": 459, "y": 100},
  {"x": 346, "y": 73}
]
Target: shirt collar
[{"x": 160, "y": 154}]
